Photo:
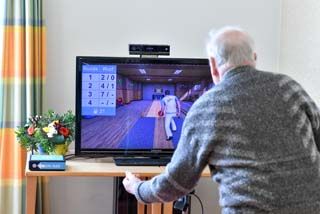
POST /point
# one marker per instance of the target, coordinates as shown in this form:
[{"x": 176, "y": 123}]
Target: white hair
[{"x": 231, "y": 45}]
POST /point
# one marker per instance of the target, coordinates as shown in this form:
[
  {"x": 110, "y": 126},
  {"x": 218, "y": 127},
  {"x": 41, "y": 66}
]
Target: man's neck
[{"x": 227, "y": 67}]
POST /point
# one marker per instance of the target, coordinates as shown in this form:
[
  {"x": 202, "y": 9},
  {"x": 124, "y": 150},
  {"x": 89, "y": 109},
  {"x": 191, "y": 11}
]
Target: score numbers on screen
[{"x": 99, "y": 90}]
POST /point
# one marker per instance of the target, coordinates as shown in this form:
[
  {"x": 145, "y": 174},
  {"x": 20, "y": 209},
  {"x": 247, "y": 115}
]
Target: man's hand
[{"x": 130, "y": 181}]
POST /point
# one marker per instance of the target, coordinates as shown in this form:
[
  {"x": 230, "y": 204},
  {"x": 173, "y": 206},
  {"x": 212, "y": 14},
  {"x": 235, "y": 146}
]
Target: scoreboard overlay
[{"x": 99, "y": 90}]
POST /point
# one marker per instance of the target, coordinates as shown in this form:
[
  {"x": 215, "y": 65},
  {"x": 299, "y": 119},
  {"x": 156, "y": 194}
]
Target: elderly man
[{"x": 258, "y": 132}]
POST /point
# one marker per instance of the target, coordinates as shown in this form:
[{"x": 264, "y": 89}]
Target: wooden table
[{"x": 97, "y": 169}]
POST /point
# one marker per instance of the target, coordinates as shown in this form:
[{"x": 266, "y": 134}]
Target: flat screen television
[{"x": 119, "y": 102}]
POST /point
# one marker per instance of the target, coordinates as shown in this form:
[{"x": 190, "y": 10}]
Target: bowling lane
[{"x": 154, "y": 109}]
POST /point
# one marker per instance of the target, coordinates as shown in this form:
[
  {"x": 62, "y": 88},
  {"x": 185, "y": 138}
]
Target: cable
[{"x": 194, "y": 194}]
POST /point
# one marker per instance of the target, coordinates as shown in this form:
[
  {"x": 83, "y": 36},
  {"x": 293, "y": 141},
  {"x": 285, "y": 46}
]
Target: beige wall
[{"x": 300, "y": 44}]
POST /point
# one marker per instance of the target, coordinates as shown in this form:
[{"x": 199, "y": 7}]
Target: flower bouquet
[{"x": 51, "y": 133}]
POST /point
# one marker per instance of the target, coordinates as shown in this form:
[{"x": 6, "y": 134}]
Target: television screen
[{"x": 135, "y": 106}]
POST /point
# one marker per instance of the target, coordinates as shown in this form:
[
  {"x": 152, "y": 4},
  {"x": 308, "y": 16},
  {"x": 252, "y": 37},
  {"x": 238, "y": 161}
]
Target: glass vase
[{"x": 41, "y": 150}]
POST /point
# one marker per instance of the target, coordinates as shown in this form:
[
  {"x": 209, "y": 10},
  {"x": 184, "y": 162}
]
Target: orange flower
[
  {"x": 31, "y": 130},
  {"x": 64, "y": 131}
]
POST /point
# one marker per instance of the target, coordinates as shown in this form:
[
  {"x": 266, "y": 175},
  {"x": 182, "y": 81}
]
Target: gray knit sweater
[{"x": 259, "y": 133}]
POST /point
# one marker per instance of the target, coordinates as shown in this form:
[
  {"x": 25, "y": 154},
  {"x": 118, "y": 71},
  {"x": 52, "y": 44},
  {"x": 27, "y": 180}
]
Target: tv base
[{"x": 142, "y": 161}]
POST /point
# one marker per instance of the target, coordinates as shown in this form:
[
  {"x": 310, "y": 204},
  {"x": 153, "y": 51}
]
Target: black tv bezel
[{"x": 80, "y": 60}]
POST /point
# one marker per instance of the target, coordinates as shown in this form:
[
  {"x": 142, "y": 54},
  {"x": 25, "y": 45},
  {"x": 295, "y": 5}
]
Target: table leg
[
  {"x": 31, "y": 190},
  {"x": 167, "y": 208},
  {"x": 149, "y": 211},
  {"x": 140, "y": 208},
  {"x": 156, "y": 208}
]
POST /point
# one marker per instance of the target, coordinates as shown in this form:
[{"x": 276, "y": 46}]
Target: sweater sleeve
[
  {"x": 313, "y": 113},
  {"x": 317, "y": 138},
  {"x": 306, "y": 104},
  {"x": 301, "y": 101},
  {"x": 189, "y": 159}
]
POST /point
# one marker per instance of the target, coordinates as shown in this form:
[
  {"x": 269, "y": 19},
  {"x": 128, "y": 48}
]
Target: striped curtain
[{"x": 22, "y": 79}]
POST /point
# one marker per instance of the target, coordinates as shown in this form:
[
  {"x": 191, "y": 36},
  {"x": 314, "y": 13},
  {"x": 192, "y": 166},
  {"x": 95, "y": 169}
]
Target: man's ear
[
  {"x": 213, "y": 67},
  {"x": 255, "y": 56},
  {"x": 214, "y": 71}
]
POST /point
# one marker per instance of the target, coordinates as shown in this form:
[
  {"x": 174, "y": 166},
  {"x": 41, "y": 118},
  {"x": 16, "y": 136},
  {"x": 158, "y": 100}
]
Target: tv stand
[{"x": 141, "y": 161}]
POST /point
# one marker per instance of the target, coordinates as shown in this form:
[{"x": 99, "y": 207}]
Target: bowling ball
[
  {"x": 160, "y": 113},
  {"x": 119, "y": 101}
]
